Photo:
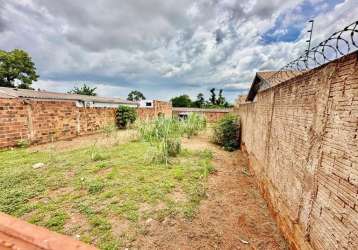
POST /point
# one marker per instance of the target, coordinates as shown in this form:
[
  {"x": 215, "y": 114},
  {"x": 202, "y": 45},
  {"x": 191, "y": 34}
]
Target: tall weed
[
  {"x": 165, "y": 134},
  {"x": 193, "y": 124}
]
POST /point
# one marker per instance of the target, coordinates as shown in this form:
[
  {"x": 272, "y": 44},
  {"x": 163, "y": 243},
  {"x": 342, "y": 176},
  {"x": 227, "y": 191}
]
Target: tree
[
  {"x": 181, "y": 101},
  {"x": 16, "y": 65},
  {"x": 221, "y": 99},
  {"x": 212, "y": 96},
  {"x": 200, "y": 101},
  {"x": 84, "y": 90},
  {"x": 135, "y": 95}
]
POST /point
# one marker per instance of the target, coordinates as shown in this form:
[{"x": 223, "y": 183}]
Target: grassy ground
[{"x": 101, "y": 195}]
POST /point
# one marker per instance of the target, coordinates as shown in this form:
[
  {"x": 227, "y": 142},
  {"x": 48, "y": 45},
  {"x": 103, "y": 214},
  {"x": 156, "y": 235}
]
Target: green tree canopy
[
  {"x": 83, "y": 90},
  {"x": 181, "y": 101},
  {"x": 16, "y": 65},
  {"x": 200, "y": 101},
  {"x": 135, "y": 95}
]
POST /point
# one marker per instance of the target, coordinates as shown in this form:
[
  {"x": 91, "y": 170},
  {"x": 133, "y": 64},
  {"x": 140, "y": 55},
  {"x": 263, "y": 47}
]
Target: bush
[
  {"x": 227, "y": 132},
  {"x": 125, "y": 116}
]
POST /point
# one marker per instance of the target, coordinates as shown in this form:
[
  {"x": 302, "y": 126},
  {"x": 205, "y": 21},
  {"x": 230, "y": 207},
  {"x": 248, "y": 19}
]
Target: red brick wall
[
  {"x": 302, "y": 139},
  {"x": 13, "y": 122},
  {"x": 159, "y": 107},
  {"x": 43, "y": 121}
]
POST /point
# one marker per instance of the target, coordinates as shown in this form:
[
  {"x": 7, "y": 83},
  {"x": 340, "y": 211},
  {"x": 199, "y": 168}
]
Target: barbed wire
[{"x": 338, "y": 44}]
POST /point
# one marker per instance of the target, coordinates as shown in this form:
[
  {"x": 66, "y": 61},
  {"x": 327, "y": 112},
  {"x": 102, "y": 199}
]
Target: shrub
[
  {"x": 227, "y": 132},
  {"x": 125, "y": 116}
]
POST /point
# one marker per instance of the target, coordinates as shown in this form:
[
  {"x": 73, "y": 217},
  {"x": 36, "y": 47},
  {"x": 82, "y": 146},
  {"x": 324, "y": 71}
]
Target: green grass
[{"x": 99, "y": 186}]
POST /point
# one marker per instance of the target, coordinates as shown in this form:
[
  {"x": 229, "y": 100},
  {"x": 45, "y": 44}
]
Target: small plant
[
  {"x": 95, "y": 187},
  {"x": 125, "y": 116},
  {"x": 52, "y": 150},
  {"x": 109, "y": 129},
  {"x": 174, "y": 147},
  {"x": 23, "y": 143},
  {"x": 95, "y": 154},
  {"x": 101, "y": 165},
  {"x": 227, "y": 132}
]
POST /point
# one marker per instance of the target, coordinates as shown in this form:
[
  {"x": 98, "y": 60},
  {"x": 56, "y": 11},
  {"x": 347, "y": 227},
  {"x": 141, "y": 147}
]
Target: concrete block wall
[{"x": 302, "y": 141}]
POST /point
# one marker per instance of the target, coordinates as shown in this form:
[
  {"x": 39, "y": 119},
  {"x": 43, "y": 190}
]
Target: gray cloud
[{"x": 160, "y": 47}]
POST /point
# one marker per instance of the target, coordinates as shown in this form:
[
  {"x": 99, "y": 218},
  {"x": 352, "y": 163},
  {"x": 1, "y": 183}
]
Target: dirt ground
[{"x": 234, "y": 215}]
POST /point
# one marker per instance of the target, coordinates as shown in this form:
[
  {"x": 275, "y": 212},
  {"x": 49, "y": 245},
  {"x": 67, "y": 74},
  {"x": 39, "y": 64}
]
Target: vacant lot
[
  {"x": 103, "y": 195},
  {"x": 104, "y": 190}
]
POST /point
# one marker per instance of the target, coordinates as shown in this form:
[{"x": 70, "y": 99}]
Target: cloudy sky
[{"x": 164, "y": 48}]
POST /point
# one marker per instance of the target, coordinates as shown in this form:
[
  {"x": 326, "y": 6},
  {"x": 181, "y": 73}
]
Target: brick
[{"x": 316, "y": 130}]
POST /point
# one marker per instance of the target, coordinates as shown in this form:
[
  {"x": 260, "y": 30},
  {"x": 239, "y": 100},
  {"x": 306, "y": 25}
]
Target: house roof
[
  {"x": 264, "y": 80},
  {"x": 46, "y": 95},
  {"x": 184, "y": 109}
]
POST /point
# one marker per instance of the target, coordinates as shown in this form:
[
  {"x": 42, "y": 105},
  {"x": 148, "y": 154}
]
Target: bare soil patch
[
  {"x": 234, "y": 216},
  {"x": 178, "y": 195}
]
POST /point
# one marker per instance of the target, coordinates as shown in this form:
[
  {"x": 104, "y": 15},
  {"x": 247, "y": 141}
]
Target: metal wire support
[
  {"x": 338, "y": 44},
  {"x": 310, "y": 38}
]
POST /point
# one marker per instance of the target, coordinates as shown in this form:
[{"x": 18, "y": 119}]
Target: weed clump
[
  {"x": 109, "y": 129},
  {"x": 95, "y": 187},
  {"x": 193, "y": 124},
  {"x": 95, "y": 154},
  {"x": 165, "y": 134},
  {"x": 23, "y": 143},
  {"x": 227, "y": 132}
]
